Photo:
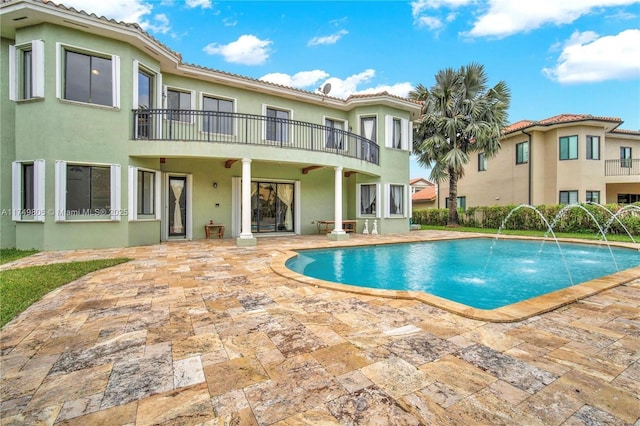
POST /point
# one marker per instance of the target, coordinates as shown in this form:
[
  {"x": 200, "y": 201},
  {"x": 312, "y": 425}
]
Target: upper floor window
[
  {"x": 27, "y": 200},
  {"x": 368, "y": 128},
  {"x": 145, "y": 89},
  {"x": 482, "y": 162},
  {"x": 335, "y": 133},
  {"x": 26, "y": 71},
  {"x": 593, "y": 147},
  {"x": 221, "y": 120},
  {"x": 569, "y": 147},
  {"x": 397, "y": 132},
  {"x": 277, "y": 125},
  {"x": 625, "y": 156},
  {"x": 88, "y": 77},
  {"x": 179, "y": 104},
  {"x": 568, "y": 197},
  {"x": 522, "y": 153},
  {"x": 367, "y": 199}
]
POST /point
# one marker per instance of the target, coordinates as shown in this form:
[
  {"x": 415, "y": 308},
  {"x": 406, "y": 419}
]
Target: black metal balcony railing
[
  {"x": 227, "y": 127},
  {"x": 622, "y": 167}
]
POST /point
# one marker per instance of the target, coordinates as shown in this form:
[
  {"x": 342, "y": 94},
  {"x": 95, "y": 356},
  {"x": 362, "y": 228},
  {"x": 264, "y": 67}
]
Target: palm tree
[{"x": 460, "y": 115}]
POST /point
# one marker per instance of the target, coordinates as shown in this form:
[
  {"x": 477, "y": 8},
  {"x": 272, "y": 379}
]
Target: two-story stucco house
[
  {"x": 564, "y": 159},
  {"x": 110, "y": 140}
]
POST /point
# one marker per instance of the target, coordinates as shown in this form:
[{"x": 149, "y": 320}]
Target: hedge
[{"x": 581, "y": 218}]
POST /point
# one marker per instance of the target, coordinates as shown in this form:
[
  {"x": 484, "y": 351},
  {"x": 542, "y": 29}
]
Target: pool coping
[{"x": 511, "y": 313}]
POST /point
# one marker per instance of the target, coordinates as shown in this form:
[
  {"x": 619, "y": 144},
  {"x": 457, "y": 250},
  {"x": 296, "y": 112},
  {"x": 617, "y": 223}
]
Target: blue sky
[{"x": 556, "y": 56}]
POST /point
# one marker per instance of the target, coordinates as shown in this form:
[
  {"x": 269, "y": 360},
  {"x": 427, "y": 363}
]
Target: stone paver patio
[{"x": 205, "y": 332}]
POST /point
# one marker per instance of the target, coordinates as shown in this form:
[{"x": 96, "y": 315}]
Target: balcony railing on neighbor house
[
  {"x": 228, "y": 127},
  {"x": 622, "y": 167}
]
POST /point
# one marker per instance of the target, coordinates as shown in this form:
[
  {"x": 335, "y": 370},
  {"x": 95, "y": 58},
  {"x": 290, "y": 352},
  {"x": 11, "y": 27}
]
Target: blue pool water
[{"x": 482, "y": 273}]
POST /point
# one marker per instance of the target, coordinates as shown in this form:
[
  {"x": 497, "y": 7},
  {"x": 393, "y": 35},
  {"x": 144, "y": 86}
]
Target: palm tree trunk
[{"x": 453, "y": 199}]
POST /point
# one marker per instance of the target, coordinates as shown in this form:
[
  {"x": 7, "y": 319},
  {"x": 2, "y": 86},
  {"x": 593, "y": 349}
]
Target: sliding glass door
[{"x": 272, "y": 207}]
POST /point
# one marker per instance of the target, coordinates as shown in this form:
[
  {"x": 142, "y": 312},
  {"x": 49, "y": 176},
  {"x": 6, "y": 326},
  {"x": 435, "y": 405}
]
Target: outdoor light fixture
[{"x": 215, "y": 184}]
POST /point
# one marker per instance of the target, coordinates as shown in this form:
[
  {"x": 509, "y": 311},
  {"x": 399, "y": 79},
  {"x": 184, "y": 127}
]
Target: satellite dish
[{"x": 326, "y": 88}]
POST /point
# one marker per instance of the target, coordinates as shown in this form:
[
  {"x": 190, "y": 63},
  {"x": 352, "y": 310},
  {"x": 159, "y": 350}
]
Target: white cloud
[
  {"x": 205, "y": 4},
  {"x": 419, "y": 6},
  {"x": 120, "y": 10},
  {"x": 330, "y": 39},
  {"x": 229, "y": 22},
  {"x": 160, "y": 24},
  {"x": 507, "y": 17},
  {"x": 586, "y": 58},
  {"x": 303, "y": 79},
  {"x": 340, "y": 88},
  {"x": 247, "y": 50},
  {"x": 430, "y": 22}
]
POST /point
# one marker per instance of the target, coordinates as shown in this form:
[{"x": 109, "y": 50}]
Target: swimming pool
[{"x": 481, "y": 273}]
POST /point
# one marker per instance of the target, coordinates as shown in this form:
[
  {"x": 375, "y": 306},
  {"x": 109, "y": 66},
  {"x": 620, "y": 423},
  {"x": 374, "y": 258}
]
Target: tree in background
[{"x": 460, "y": 115}]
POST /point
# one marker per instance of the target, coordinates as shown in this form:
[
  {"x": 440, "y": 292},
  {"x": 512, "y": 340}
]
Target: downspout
[{"x": 530, "y": 165}]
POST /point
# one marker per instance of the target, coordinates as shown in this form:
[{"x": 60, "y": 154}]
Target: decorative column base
[
  {"x": 246, "y": 241},
  {"x": 338, "y": 236}
]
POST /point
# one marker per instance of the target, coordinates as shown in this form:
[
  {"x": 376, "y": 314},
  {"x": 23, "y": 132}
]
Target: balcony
[
  {"x": 249, "y": 129},
  {"x": 622, "y": 167}
]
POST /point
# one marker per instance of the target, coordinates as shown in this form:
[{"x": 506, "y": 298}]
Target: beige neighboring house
[
  {"x": 567, "y": 158},
  {"x": 424, "y": 194}
]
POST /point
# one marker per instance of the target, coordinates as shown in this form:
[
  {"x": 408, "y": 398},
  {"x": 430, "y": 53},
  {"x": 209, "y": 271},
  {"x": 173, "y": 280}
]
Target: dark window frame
[
  {"x": 144, "y": 208},
  {"x": 591, "y": 195},
  {"x": 567, "y": 195},
  {"x": 593, "y": 154},
  {"x": 88, "y": 78},
  {"x": 482, "y": 162},
  {"x": 520, "y": 153},
  {"x": 566, "y": 143},
  {"x": 97, "y": 203}
]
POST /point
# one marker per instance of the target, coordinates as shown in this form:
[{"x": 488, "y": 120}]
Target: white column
[
  {"x": 245, "y": 230},
  {"x": 337, "y": 216}
]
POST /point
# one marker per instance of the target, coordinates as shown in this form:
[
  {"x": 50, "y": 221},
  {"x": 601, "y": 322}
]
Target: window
[
  {"x": 628, "y": 198},
  {"x": 482, "y": 162},
  {"x": 144, "y": 194},
  {"x": 397, "y": 132},
  {"x": 461, "y": 201},
  {"x": 88, "y": 79},
  {"x": 144, "y": 98},
  {"x": 396, "y": 200},
  {"x": 625, "y": 156},
  {"x": 176, "y": 101},
  {"x": 26, "y": 71},
  {"x": 27, "y": 199},
  {"x": 522, "y": 153},
  {"x": 220, "y": 121},
  {"x": 593, "y": 147},
  {"x": 569, "y": 147},
  {"x": 87, "y": 191},
  {"x": 277, "y": 125},
  {"x": 368, "y": 130},
  {"x": 368, "y": 195},
  {"x": 568, "y": 197},
  {"x": 335, "y": 133},
  {"x": 593, "y": 197}
]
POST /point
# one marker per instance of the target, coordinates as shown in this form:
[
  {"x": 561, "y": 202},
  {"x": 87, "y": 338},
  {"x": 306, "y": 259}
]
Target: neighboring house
[
  {"x": 424, "y": 194},
  {"x": 564, "y": 159},
  {"x": 109, "y": 140}
]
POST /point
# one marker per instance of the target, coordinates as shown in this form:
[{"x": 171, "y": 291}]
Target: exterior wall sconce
[{"x": 215, "y": 184}]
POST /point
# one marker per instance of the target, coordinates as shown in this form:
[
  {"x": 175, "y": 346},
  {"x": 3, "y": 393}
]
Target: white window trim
[
  {"x": 133, "y": 193},
  {"x": 137, "y": 66},
  {"x": 61, "y": 191},
  {"x": 38, "y": 191},
  {"x": 345, "y": 146},
  {"x": 225, "y": 98},
  {"x": 405, "y": 203},
  {"x": 405, "y": 127},
  {"x": 358, "y": 199},
  {"x": 115, "y": 73},
  {"x": 37, "y": 69},
  {"x": 164, "y": 232},
  {"x": 165, "y": 97},
  {"x": 264, "y": 124}
]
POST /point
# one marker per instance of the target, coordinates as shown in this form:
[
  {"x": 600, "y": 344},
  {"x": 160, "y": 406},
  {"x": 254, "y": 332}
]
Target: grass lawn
[
  {"x": 21, "y": 287},
  {"x": 9, "y": 255},
  {"x": 491, "y": 231}
]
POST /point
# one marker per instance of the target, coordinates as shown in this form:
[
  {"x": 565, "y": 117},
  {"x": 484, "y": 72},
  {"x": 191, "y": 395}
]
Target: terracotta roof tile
[
  {"x": 427, "y": 194},
  {"x": 557, "y": 119}
]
